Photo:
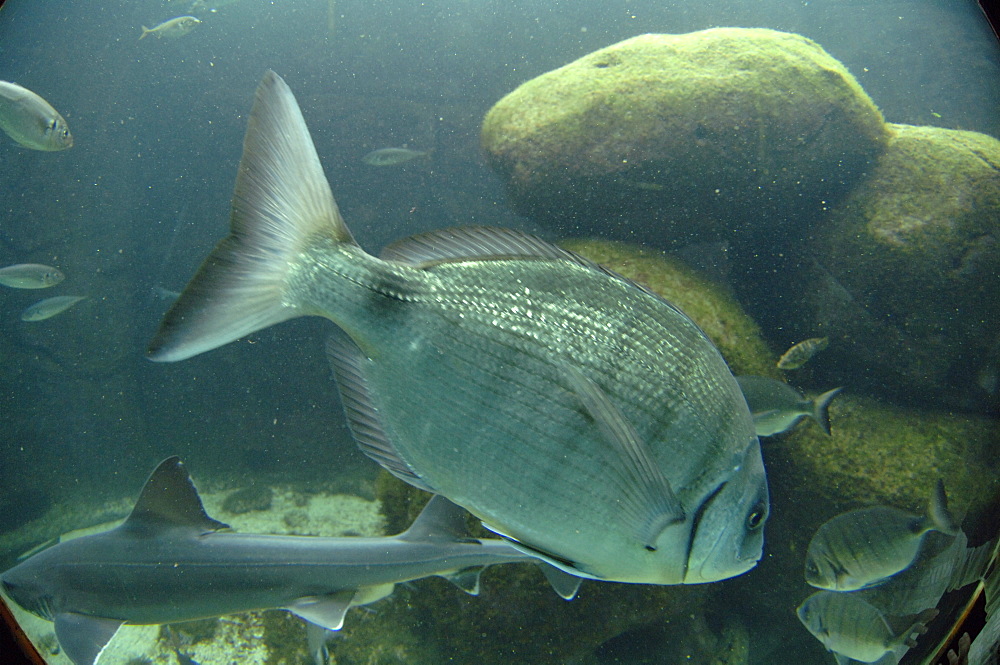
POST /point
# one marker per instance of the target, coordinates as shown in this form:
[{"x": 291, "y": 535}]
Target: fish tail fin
[
  {"x": 145, "y": 31},
  {"x": 281, "y": 205},
  {"x": 821, "y": 409},
  {"x": 939, "y": 517}
]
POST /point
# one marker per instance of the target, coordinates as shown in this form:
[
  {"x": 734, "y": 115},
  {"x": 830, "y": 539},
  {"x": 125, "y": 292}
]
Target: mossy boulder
[
  {"x": 905, "y": 275},
  {"x": 710, "y": 132},
  {"x": 709, "y": 304}
]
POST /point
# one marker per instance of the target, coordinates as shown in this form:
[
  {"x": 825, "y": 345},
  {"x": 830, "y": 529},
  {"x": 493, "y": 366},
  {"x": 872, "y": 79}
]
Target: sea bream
[{"x": 574, "y": 412}]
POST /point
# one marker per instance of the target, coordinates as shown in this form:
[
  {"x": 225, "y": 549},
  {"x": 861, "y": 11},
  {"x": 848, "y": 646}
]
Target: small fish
[
  {"x": 175, "y": 27},
  {"x": 30, "y": 276},
  {"x": 864, "y": 548},
  {"x": 849, "y": 626},
  {"x": 629, "y": 454},
  {"x": 800, "y": 353},
  {"x": 392, "y": 156},
  {"x": 46, "y": 309},
  {"x": 777, "y": 407},
  {"x": 31, "y": 121}
]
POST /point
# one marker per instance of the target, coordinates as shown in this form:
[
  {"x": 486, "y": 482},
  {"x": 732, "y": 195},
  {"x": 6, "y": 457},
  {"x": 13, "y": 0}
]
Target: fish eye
[{"x": 756, "y": 517}]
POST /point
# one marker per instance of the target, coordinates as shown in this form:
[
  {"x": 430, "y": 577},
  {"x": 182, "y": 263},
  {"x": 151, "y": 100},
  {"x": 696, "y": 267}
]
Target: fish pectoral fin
[
  {"x": 325, "y": 611},
  {"x": 83, "y": 638},
  {"x": 644, "y": 482},
  {"x": 466, "y": 579}
]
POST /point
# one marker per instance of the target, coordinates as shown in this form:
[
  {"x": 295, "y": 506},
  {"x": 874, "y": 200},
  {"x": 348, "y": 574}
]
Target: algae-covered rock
[
  {"x": 710, "y": 130},
  {"x": 905, "y": 276},
  {"x": 709, "y": 304}
]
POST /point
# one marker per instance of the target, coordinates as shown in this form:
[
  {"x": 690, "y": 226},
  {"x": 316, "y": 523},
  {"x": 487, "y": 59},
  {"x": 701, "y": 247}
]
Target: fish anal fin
[
  {"x": 466, "y": 579},
  {"x": 83, "y": 638},
  {"x": 348, "y": 363}
]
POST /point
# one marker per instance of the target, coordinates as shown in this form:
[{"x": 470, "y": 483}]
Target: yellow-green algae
[
  {"x": 702, "y": 128},
  {"x": 917, "y": 248},
  {"x": 709, "y": 304}
]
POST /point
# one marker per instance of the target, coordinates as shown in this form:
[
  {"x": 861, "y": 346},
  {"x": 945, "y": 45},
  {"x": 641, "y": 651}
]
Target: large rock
[
  {"x": 709, "y": 133},
  {"x": 905, "y": 275}
]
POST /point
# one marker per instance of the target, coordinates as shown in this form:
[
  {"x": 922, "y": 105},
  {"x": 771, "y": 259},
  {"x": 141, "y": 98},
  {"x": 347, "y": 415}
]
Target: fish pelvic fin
[
  {"x": 821, "y": 409},
  {"x": 282, "y": 204},
  {"x": 653, "y": 506}
]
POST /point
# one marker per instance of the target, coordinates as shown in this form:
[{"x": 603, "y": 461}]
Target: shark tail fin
[
  {"x": 281, "y": 204},
  {"x": 821, "y": 406}
]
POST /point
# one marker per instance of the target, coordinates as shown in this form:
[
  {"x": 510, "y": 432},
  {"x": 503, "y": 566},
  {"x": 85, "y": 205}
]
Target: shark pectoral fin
[
  {"x": 324, "y": 611},
  {"x": 83, "y": 638},
  {"x": 652, "y": 502},
  {"x": 466, "y": 579},
  {"x": 563, "y": 583}
]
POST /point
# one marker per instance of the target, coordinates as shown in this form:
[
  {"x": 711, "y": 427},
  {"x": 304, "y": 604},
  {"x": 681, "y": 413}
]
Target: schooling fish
[
  {"x": 801, "y": 353},
  {"x": 392, "y": 156},
  {"x": 170, "y": 562},
  {"x": 46, "y": 309},
  {"x": 853, "y": 629},
  {"x": 175, "y": 27},
  {"x": 574, "y": 412},
  {"x": 30, "y": 276},
  {"x": 864, "y": 548},
  {"x": 777, "y": 407},
  {"x": 31, "y": 121}
]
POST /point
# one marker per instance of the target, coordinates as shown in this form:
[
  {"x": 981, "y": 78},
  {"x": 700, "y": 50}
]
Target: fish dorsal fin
[
  {"x": 652, "y": 502},
  {"x": 439, "y": 521},
  {"x": 168, "y": 500},
  {"x": 348, "y": 362},
  {"x": 473, "y": 242}
]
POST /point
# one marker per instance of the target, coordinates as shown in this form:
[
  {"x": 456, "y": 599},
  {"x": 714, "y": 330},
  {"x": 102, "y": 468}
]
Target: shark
[{"x": 170, "y": 562}]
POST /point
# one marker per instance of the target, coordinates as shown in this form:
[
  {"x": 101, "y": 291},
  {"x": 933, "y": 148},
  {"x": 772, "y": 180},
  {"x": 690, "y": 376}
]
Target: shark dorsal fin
[
  {"x": 439, "y": 521},
  {"x": 169, "y": 500}
]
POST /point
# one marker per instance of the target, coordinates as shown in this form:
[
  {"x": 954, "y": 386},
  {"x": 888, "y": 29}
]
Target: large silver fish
[
  {"x": 574, "y": 412},
  {"x": 30, "y": 120}
]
